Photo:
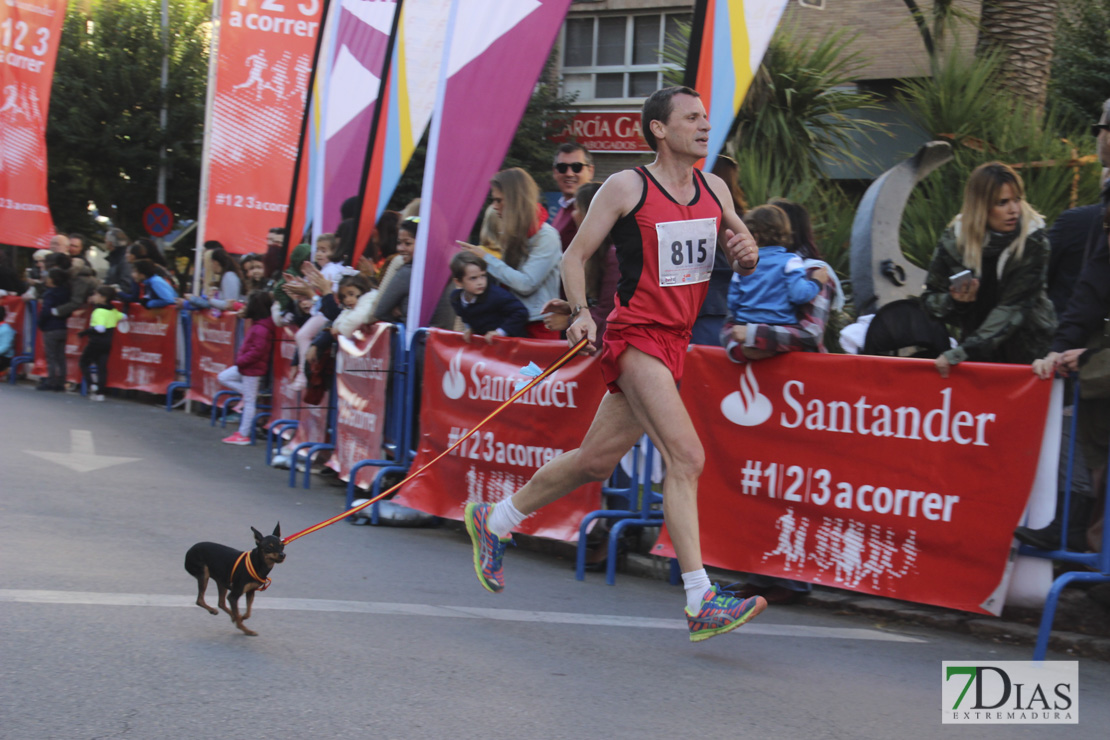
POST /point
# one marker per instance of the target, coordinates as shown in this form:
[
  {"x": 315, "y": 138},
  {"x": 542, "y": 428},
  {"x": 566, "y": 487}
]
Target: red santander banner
[
  {"x": 29, "y": 34},
  {"x": 865, "y": 473},
  {"x": 464, "y": 383},
  {"x": 144, "y": 350},
  {"x": 213, "y": 351},
  {"x": 361, "y": 378},
  {"x": 265, "y": 60}
]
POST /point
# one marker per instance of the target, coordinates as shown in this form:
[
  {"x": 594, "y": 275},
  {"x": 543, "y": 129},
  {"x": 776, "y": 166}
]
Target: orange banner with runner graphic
[
  {"x": 213, "y": 351},
  {"x": 144, "y": 350},
  {"x": 462, "y": 384},
  {"x": 265, "y": 60},
  {"x": 361, "y": 381},
  {"x": 29, "y": 35},
  {"x": 866, "y": 473}
]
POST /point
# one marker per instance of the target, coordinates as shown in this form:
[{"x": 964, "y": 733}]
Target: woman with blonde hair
[
  {"x": 530, "y": 247},
  {"x": 988, "y": 274}
]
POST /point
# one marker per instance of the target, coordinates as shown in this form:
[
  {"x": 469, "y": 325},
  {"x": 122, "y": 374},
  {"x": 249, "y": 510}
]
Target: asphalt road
[{"x": 384, "y": 632}]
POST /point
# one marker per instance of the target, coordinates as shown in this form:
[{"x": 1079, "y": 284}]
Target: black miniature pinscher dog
[{"x": 235, "y": 571}]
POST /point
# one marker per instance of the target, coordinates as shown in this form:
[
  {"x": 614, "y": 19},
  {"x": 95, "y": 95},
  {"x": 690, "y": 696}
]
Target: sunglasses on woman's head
[{"x": 576, "y": 167}]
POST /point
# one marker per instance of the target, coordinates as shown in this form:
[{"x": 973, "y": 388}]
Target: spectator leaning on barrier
[
  {"x": 778, "y": 287},
  {"x": 999, "y": 307},
  {"x": 1081, "y": 330},
  {"x": 157, "y": 291},
  {"x": 486, "y": 309},
  {"x": 53, "y": 328},
  {"x": 530, "y": 248},
  {"x": 223, "y": 280},
  {"x": 252, "y": 362}
]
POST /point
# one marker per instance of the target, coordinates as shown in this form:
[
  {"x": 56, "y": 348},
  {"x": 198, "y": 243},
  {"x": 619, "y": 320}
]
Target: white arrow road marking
[
  {"x": 454, "y": 612},
  {"x": 82, "y": 456}
]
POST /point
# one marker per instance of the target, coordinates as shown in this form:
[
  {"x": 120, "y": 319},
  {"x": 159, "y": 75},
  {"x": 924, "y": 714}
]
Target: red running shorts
[{"x": 669, "y": 347}]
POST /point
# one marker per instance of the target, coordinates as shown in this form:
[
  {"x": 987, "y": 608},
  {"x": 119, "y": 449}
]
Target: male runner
[{"x": 665, "y": 219}]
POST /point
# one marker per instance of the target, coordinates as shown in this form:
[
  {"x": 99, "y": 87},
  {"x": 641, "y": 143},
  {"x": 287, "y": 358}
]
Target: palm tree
[{"x": 1025, "y": 31}]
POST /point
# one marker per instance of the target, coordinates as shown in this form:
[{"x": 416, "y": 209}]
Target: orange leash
[
  {"x": 548, "y": 371},
  {"x": 245, "y": 558}
]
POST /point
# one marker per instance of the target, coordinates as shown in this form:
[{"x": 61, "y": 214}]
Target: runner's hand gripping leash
[{"x": 520, "y": 392}]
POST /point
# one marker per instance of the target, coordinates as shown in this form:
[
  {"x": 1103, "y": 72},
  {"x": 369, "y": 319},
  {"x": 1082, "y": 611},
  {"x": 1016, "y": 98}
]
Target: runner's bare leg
[
  {"x": 653, "y": 397},
  {"x": 649, "y": 402},
  {"x": 612, "y": 433}
]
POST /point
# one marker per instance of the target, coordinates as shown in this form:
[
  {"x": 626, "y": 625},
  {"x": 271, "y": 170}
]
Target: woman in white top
[{"x": 530, "y": 247}]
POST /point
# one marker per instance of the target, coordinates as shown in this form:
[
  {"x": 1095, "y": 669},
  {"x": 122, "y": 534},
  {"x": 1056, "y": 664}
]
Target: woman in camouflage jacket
[{"x": 1002, "y": 313}]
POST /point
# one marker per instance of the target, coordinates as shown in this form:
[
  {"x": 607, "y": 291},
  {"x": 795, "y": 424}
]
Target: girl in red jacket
[{"x": 252, "y": 362}]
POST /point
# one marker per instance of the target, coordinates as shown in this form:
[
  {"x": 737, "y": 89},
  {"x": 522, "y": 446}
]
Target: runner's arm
[
  {"x": 617, "y": 197},
  {"x": 736, "y": 240}
]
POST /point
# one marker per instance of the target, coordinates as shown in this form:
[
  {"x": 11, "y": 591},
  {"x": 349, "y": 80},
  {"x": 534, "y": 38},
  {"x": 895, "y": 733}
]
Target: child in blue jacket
[{"x": 156, "y": 290}]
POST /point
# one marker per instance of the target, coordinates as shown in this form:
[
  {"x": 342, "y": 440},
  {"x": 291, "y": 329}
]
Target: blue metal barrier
[
  {"x": 227, "y": 398},
  {"x": 642, "y": 510},
  {"x": 186, "y": 318},
  {"x": 30, "y": 328},
  {"x": 277, "y": 428},
  {"x": 311, "y": 448},
  {"x": 1097, "y": 562}
]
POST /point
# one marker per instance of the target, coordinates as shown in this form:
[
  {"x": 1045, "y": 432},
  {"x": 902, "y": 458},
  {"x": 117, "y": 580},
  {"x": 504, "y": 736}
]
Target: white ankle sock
[
  {"x": 505, "y": 518},
  {"x": 696, "y": 583}
]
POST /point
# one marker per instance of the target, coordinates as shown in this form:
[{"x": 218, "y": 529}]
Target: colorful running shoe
[
  {"x": 721, "y": 612},
  {"x": 488, "y": 547}
]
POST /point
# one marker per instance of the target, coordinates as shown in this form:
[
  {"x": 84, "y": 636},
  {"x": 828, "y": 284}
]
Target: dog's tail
[{"x": 194, "y": 563}]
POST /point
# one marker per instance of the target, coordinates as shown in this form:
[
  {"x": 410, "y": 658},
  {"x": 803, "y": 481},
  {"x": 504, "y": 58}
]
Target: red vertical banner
[
  {"x": 144, "y": 350},
  {"x": 264, "y": 64},
  {"x": 29, "y": 35},
  {"x": 361, "y": 378},
  {"x": 462, "y": 384},
  {"x": 213, "y": 351}
]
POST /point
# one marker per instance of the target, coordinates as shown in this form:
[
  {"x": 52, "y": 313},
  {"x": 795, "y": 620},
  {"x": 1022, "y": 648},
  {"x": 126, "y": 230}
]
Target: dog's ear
[
  {"x": 277, "y": 530},
  {"x": 257, "y": 535}
]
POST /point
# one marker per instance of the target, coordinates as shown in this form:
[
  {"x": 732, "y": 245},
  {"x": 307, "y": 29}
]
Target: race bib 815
[{"x": 686, "y": 251}]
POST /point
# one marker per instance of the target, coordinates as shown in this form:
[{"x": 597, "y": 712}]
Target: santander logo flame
[
  {"x": 747, "y": 407},
  {"x": 454, "y": 384}
]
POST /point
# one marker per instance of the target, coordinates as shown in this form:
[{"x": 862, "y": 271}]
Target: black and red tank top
[{"x": 665, "y": 251}]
